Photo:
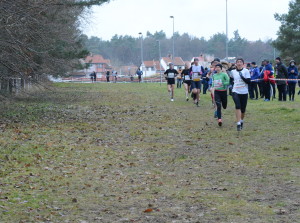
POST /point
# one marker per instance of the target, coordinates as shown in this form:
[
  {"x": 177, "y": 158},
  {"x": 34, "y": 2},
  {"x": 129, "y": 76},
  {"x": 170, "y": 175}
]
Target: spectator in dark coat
[
  {"x": 282, "y": 73},
  {"x": 292, "y": 74}
]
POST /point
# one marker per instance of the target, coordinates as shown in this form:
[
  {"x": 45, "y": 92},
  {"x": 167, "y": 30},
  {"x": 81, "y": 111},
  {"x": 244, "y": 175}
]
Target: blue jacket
[
  {"x": 292, "y": 75},
  {"x": 255, "y": 73},
  {"x": 270, "y": 68}
]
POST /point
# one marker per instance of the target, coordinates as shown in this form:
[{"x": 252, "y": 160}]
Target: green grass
[{"x": 106, "y": 152}]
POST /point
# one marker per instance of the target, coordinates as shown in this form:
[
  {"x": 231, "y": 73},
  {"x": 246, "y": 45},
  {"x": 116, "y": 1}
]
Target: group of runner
[{"x": 219, "y": 80}]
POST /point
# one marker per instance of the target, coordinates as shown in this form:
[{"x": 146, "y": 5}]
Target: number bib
[
  {"x": 239, "y": 84},
  {"x": 218, "y": 83},
  {"x": 171, "y": 75},
  {"x": 196, "y": 76},
  {"x": 187, "y": 77}
]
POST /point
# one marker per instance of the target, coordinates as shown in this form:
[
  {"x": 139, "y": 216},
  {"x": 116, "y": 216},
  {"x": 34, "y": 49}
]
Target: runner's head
[
  {"x": 239, "y": 63},
  {"x": 187, "y": 66},
  {"x": 196, "y": 61},
  {"x": 171, "y": 65},
  {"x": 218, "y": 67}
]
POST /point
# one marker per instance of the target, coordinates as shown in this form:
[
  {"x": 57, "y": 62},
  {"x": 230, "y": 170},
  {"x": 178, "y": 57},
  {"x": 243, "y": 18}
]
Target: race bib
[
  {"x": 218, "y": 83},
  {"x": 171, "y": 75},
  {"x": 196, "y": 76},
  {"x": 187, "y": 77},
  {"x": 239, "y": 84}
]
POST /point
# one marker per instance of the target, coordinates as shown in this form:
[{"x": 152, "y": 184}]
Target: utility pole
[{"x": 173, "y": 56}]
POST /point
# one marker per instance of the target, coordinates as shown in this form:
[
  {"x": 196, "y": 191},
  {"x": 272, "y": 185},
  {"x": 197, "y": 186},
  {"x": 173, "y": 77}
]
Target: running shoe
[
  {"x": 242, "y": 125},
  {"x": 266, "y": 100},
  {"x": 172, "y": 99},
  {"x": 187, "y": 98},
  {"x": 220, "y": 122},
  {"x": 197, "y": 104},
  {"x": 238, "y": 127}
]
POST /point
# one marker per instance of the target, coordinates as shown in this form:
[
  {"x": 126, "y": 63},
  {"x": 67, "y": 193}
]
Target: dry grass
[{"x": 108, "y": 152}]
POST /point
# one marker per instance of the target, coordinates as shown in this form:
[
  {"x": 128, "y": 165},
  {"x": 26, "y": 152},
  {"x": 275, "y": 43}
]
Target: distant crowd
[{"x": 237, "y": 79}]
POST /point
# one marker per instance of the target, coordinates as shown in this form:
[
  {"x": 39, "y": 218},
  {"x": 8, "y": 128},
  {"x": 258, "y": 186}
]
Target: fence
[{"x": 15, "y": 85}]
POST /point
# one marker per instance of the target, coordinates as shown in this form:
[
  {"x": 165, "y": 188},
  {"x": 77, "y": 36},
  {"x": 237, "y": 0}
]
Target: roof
[
  {"x": 177, "y": 61},
  {"x": 96, "y": 59},
  {"x": 157, "y": 67},
  {"x": 149, "y": 63}
]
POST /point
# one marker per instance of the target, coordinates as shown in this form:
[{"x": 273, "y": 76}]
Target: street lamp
[
  {"x": 159, "y": 52},
  {"x": 142, "y": 63},
  {"x": 172, "y": 17},
  {"x": 226, "y": 33},
  {"x": 141, "y": 36}
]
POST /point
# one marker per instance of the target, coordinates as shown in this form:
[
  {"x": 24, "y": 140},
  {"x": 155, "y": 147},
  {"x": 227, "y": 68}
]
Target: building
[
  {"x": 204, "y": 60},
  {"x": 151, "y": 68},
  {"x": 98, "y": 64},
  {"x": 178, "y": 62}
]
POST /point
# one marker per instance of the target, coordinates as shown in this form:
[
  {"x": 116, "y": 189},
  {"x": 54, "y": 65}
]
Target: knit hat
[
  {"x": 278, "y": 58},
  {"x": 253, "y": 63},
  {"x": 219, "y": 65},
  {"x": 292, "y": 61}
]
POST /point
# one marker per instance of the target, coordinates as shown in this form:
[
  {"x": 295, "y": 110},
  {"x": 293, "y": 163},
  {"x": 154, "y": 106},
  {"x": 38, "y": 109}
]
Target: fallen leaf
[{"x": 148, "y": 210}]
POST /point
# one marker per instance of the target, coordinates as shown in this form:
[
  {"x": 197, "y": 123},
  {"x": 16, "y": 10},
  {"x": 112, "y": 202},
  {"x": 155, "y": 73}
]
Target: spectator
[
  {"x": 107, "y": 75},
  {"x": 254, "y": 72},
  {"x": 261, "y": 83},
  {"x": 267, "y": 74},
  {"x": 282, "y": 73},
  {"x": 292, "y": 74},
  {"x": 139, "y": 73},
  {"x": 93, "y": 76}
]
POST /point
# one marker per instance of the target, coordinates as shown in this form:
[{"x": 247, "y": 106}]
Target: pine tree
[{"x": 288, "y": 41}]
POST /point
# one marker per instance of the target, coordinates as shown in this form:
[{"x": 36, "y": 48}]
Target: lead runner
[{"x": 242, "y": 78}]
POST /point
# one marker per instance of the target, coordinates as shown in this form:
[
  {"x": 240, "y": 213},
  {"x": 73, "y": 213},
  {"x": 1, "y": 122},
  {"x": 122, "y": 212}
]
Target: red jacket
[{"x": 267, "y": 76}]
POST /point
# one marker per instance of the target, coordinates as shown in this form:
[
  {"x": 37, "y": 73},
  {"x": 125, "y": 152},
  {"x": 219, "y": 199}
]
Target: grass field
[{"x": 125, "y": 153}]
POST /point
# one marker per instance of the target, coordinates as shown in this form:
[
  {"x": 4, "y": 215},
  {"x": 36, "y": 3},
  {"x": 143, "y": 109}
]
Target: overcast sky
[{"x": 253, "y": 18}]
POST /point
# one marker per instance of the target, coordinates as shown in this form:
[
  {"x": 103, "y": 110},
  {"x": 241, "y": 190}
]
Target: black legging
[
  {"x": 292, "y": 89},
  {"x": 240, "y": 101},
  {"x": 267, "y": 89},
  {"x": 221, "y": 100},
  {"x": 281, "y": 92}
]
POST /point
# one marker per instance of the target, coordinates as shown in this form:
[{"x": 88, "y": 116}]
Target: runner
[
  {"x": 179, "y": 78},
  {"x": 220, "y": 81},
  {"x": 196, "y": 71},
  {"x": 211, "y": 89},
  {"x": 241, "y": 78},
  {"x": 171, "y": 73},
  {"x": 186, "y": 80}
]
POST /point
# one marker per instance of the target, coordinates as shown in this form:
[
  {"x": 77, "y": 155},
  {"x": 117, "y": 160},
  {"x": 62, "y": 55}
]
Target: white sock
[{"x": 238, "y": 123}]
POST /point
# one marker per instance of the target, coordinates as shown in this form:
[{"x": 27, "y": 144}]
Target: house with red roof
[
  {"x": 98, "y": 64},
  {"x": 151, "y": 67},
  {"x": 178, "y": 62},
  {"x": 204, "y": 60}
]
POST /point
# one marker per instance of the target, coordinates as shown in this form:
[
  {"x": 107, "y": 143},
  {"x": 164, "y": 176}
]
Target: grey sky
[{"x": 253, "y": 18}]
